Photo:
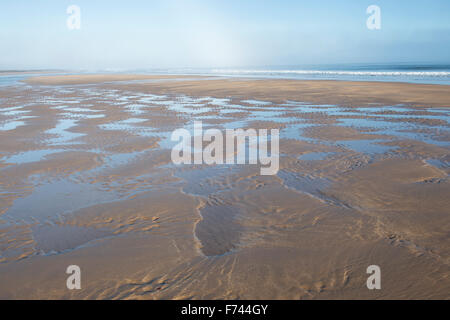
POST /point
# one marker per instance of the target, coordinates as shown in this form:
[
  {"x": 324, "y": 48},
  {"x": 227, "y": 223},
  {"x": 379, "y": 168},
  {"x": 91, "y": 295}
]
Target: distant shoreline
[
  {"x": 25, "y": 72},
  {"x": 402, "y": 73}
]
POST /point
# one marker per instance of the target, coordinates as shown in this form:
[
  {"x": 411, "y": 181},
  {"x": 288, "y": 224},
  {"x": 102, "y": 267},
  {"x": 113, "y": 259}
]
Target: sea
[{"x": 398, "y": 72}]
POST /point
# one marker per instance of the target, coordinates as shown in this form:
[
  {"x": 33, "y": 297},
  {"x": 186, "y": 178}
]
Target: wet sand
[{"x": 86, "y": 178}]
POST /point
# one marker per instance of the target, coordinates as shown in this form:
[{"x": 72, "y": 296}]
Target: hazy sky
[{"x": 220, "y": 33}]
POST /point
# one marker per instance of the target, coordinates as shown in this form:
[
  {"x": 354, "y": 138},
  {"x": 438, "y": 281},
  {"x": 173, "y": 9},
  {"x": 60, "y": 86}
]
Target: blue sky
[{"x": 220, "y": 33}]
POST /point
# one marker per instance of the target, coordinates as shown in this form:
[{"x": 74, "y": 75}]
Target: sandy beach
[{"x": 86, "y": 179}]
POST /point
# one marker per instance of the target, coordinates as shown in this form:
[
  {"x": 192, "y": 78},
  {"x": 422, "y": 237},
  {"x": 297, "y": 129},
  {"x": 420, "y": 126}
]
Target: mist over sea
[
  {"x": 398, "y": 72},
  {"x": 402, "y": 72}
]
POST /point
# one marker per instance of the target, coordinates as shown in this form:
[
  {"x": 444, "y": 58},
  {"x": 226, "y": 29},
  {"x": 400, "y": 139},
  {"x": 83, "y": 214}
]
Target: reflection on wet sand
[{"x": 86, "y": 178}]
